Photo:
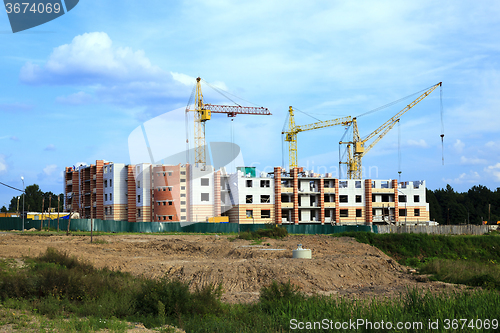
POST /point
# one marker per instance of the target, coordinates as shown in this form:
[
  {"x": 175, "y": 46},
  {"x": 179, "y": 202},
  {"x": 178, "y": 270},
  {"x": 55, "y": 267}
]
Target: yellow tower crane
[
  {"x": 357, "y": 148},
  {"x": 293, "y": 130},
  {"x": 203, "y": 112}
]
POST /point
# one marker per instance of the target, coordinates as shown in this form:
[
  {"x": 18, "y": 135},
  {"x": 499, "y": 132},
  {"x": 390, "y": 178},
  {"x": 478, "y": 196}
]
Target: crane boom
[
  {"x": 203, "y": 112},
  {"x": 291, "y": 134},
  {"x": 356, "y": 148}
]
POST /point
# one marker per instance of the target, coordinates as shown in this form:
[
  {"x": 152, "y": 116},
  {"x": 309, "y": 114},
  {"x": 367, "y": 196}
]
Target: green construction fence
[{"x": 15, "y": 223}]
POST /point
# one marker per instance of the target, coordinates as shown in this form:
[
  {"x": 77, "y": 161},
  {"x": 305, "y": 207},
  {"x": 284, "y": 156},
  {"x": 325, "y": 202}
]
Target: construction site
[{"x": 196, "y": 191}]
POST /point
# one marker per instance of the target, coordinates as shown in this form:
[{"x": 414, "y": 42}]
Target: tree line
[
  {"x": 476, "y": 205},
  {"x": 34, "y": 200}
]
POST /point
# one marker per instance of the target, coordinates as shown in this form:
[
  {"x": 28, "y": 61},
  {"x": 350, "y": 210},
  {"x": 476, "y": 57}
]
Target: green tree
[
  {"x": 34, "y": 199},
  {"x": 3, "y": 209}
]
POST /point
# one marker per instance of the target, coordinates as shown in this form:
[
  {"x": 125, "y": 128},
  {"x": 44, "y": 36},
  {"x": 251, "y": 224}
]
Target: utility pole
[
  {"x": 50, "y": 202},
  {"x": 41, "y": 220},
  {"x": 58, "y": 199},
  {"x": 489, "y": 213}
]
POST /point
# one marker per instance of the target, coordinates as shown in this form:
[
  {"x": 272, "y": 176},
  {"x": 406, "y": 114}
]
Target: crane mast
[
  {"x": 203, "y": 112},
  {"x": 293, "y": 130},
  {"x": 356, "y": 148}
]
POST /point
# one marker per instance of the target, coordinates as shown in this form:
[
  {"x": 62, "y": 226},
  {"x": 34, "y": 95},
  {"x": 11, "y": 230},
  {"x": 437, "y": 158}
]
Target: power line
[{"x": 11, "y": 187}]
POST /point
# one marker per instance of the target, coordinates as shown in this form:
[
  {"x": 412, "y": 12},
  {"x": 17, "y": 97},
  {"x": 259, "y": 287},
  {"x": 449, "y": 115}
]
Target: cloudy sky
[{"x": 81, "y": 87}]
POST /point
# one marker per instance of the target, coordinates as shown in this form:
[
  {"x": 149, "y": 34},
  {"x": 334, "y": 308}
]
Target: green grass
[
  {"x": 271, "y": 232},
  {"x": 469, "y": 260},
  {"x": 58, "y": 292}
]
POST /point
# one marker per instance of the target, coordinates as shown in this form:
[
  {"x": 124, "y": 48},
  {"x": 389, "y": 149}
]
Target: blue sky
[{"x": 74, "y": 89}]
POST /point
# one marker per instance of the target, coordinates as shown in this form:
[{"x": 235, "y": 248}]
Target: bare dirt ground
[{"x": 339, "y": 266}]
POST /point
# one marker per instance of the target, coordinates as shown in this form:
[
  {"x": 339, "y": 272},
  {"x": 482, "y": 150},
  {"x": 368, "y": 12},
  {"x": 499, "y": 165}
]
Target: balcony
[
  {"x": 329, "y": 190},
  {"x": 287, "y": 205},
  {"x": 285, "y": 189},
  {"x": 329, "y": 204},
  {"x": 383, "y": 204},
  {"x": 383, "y": 190}
]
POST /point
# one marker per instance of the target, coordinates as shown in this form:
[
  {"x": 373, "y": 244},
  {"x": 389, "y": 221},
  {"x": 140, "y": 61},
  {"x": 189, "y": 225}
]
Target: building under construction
[{"x": 182, "y": 193}]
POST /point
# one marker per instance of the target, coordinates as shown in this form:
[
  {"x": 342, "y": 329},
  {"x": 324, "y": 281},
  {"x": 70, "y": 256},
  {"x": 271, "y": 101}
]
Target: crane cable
[
  {"x": 399, "y": 150},
  {"x": 442, "y": 123},
  {"x": 186, "y": 122}
]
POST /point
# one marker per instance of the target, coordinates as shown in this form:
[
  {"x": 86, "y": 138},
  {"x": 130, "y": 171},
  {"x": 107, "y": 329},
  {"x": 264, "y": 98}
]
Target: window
[
  {"x": 169, "y": 188},
  {"x": 358, "y": 198},
  {"x": 110, "y": 168},
  {"x": 183, "y": 173},
  {"x": 138, "y": 184},
  {"x": 402, "y": 198},
  {"x": 265, "y": 199},
  {"x": 205, "y": 182},
  {"x": 249, "y": 214},
  {"x": 343, "y": 184},
  {"x": 110, "y": 210},
  {"x": 170, "y": 173},
  {"x": 110, "y": 197},
  {"x": 111, "y": 183},
  {"x": 344, "y": 213},
  {"x": 184, "y": 202},
  {"x": 359, "y": 212},
  {"x": 249, "y": 198},
  {"x": 265, "y": 213},
  {"x": 105, "y": 183},
  {"x": 402, "y": 212},
  {"x": 358, "y": 184},
  {"x": 164, "y": 218},
  {"x": 205, "y": 197},
  {"x": 416, "y": 212},
  {"x": 183, "y": 218},
  {"x": 343, "y": 198},
  {"x": 159, "y": 203},
  {"x": 183, "y": 180},
  {"x": 265, "y": 183},
  {"x": 138, "y": 213},
  {"x": 138, "y": 198},
  {"x": 106, "y": 171},
  {"x": 105, "y": 197},
  {"x": 249, "y": 183},
  {"x": 183, "y": 210},
  {"x": 416, "y": 198},
  {"x": 183, "y": 195},
  {"x": 385, "y": 198},
  {"x": 183, "y": 188},
  {"x": 105, "y": 210},
  {"x": 170, "y": 203},
  {"x": 170, "y": 217}
]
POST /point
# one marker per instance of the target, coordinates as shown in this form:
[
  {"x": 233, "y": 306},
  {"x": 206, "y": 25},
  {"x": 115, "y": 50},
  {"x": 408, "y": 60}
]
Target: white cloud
[
  {"x": 50, "y": 147},
  {"x": 494, "y": 170},
  {"x": 78, "y": 98},
  {"x": 50, "y": 169},
  {"x": 459, "y": 146},
  {"x": 472, "y": 160},
  {"x": 471, "y": 177},
  {"x": 117, "y": 75},
  {"x": 3, "y": 164},
  {"x": 418, "y": 143}
]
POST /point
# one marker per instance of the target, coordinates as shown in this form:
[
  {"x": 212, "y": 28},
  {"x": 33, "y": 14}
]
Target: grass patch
[
  {"x": 271, "y": 232},
  {"x": 464, "y": 272},
  {"x": 56, "y": 292}
]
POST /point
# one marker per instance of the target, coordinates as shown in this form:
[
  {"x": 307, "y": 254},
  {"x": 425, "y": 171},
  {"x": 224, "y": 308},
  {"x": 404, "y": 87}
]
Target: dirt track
[{"x": 339, "y": 265}]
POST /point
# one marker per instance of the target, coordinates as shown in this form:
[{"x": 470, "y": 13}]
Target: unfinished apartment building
[
  {"x": 306, "y": 197},
  {"x": 185, "y": 193}
]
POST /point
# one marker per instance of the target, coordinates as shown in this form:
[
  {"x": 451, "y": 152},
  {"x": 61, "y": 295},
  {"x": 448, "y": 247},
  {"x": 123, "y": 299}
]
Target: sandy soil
[{"x": 339, "y": 265}]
